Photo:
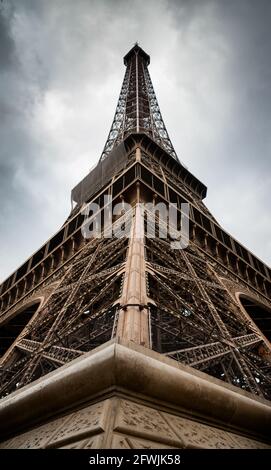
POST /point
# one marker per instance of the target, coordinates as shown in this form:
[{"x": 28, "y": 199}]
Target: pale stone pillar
[{"x": 133, "y": 323}]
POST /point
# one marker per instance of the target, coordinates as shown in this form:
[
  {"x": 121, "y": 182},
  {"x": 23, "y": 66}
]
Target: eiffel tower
[{"x": 121, "y": 340}]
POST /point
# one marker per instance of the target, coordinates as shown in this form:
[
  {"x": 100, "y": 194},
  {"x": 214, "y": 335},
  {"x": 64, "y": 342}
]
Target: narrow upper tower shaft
[{"x": 137, "y": 109}]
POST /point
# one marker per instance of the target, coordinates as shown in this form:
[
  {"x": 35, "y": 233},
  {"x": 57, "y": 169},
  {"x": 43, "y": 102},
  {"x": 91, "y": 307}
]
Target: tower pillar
[{"x": 133, "y": 323}]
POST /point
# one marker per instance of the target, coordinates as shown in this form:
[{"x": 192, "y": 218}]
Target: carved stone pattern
[
  {"x": 140, "y": 420},
  {"x": 246, "y": 443},
  {"x": 127, "y": 442},
  {"x": 119, "y": 442},
  {"x": 95, "y": 442},
  {"x": 136, "y": 427},
  {"x": 90, "y": 420},
  {"x": 197, "y": 435},
  {"x": 36, "y": 438}
]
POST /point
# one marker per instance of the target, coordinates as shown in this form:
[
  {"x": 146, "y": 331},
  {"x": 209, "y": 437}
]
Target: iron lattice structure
[
  {"x": 79, "y": 315},
  {"x": 137, "y": 109},
  {"x": 196, "y": 321},
  {"x": 206, "y": 306}
]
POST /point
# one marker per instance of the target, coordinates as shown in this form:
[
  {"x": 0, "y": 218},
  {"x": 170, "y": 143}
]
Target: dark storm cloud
[
  {"x": 230, "y": 41},
  {"x": 248, "y": 25},
  {"x": 8, "y": 64},
  {"x": 7, "y": 46},
  {"x": 248, "y": 140},
  {"x": 244, "y": 28},
  {"x": 18, "y": 148},
  {"x": 60, "y": 74}
]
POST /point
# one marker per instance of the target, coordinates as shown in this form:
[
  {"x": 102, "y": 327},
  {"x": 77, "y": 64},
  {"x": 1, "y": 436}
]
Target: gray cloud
[
  {"x": 7, "y": 46},
  {"x": 60, "y": 74}
]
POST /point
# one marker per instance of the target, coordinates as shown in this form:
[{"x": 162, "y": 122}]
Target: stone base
[{"x": 123, "y": 396}]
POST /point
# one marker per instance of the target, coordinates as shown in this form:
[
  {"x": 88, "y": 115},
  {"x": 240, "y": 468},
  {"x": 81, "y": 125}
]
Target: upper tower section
[
  {"x": 137, "y": 109},
  {"x": 136, "y": 50}
]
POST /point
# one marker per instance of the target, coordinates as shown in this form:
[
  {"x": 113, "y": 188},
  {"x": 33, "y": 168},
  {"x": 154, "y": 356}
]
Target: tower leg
[{"x": 133, "y": 323}]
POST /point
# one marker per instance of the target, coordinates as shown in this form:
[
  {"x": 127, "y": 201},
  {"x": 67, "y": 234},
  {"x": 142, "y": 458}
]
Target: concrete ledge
[{"x": 119, "y": 366}]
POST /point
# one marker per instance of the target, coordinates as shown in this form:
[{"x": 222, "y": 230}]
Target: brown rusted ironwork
[{"x": 207, "y": 306}]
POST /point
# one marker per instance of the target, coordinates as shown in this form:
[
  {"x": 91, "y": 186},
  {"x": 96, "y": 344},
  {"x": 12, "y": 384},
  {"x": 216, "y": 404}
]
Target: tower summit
[
  {"x": 141, "y": 323},
  {"x": 137, "y": 109}
]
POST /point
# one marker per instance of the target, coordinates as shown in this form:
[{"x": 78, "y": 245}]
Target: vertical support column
[
  {"x": 206, "y": 247},
  {"x": 62, "y": 254},
  {"x": 25, "y": 280},
  {"x": 33, "y": 279},
  {"x": 72, "y": 246},
  {"x": 137, "y": 95},
  {"x": 16, "y": 290},
  {"x": 42, "y": 271},
  {"x": 133, "y": 323}
]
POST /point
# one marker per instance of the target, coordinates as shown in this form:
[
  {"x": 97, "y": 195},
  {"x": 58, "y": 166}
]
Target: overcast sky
[{"x": 61, "y": 70}]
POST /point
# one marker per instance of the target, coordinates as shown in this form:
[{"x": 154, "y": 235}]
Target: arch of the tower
[
  {"x": 11, "y": 329},
  {"x": 259, "y": 314}
]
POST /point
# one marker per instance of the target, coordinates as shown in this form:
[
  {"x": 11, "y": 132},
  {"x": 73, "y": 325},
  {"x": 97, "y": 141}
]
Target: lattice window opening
[
  {"x": 79, "y": 330},
  {"x": 89, "y": 335},
  {"x": 187, "y": 292},
  {"x": 10, "y": 330},
  {"x": 199, "y": 318},
  {"x": 95, "y": 331},
  {"x": 171, "y": 338},
  {"x": 254, "y": 373},
  {"x": 230, "y": 314},
  {"x": 169, "y": 333},
  {"x": 259, "y": 315}
]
